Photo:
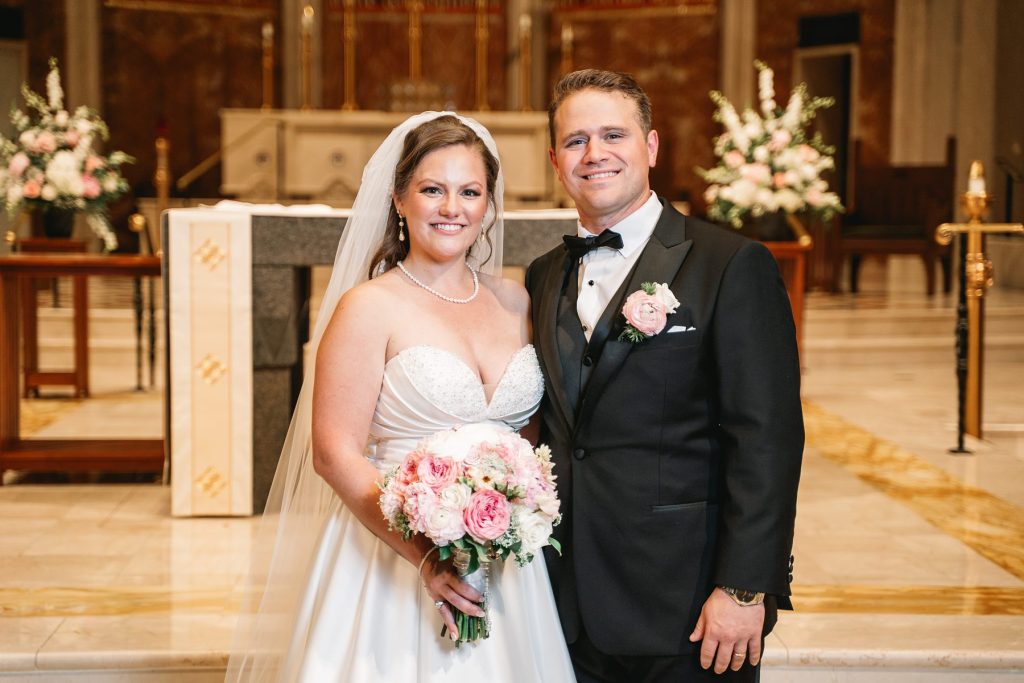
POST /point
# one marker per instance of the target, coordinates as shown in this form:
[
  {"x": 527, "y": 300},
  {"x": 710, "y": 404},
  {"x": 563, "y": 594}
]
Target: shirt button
[
  {"x": 591, "y": 283},
  {"x": 586, "y": 328}
]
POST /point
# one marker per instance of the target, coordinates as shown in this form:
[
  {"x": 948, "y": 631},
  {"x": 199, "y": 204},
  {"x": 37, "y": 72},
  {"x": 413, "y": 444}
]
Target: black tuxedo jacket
[{"x": 678, "y": 457}]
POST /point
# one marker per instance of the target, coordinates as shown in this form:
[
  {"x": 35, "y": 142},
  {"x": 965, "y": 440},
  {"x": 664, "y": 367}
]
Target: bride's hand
[{"x": 442, "y": 582}]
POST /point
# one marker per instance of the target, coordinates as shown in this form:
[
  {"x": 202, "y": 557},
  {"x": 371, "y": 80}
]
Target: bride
[{"x": 417, "y": 333}]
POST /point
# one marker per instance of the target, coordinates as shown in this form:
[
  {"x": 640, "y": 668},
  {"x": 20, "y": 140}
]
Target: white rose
[
  {"x": 110, "y": 183},
  {"x": 27, "y": 139},
  {"x": 740, "y": 192},
  {"x": 455, "y": 496},
  {"x": 761, "y": 153},
  {"x": 788, "y": 200},
  {"x": 13, "y": 194},
  {"x": 808, "y": 172},
  {"x": 766, "y": 199},
  {"x": 663, "y": 294},
  {"x": 445, "y": 525},
  {"x": 534, "y": 531},
  {"x": 48, "y": 193},
  {"x": 61, "y": 118},
  {"x": 83, "y": 126}
]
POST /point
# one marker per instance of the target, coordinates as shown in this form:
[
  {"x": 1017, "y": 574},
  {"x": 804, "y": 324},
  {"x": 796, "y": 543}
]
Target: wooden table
[
  {"x": 64, "y": 455},
  {"x": 78, "y": 376}
]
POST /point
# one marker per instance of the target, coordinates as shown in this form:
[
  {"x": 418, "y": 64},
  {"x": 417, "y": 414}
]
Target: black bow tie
[{"x": 579, "y": 246}]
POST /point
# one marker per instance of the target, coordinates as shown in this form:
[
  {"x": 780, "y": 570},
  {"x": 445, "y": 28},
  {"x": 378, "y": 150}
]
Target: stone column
[{"x": 738, "y": 41}]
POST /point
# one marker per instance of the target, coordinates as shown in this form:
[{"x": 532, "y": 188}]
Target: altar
[{"x": 319, "y": 155}]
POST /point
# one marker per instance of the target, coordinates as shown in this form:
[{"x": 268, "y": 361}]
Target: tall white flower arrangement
[
  {"x": 767, "y": 163},
  {"x": 52, "y": 161}
]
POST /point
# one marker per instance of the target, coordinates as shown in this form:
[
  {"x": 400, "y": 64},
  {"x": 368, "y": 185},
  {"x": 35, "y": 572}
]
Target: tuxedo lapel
[
  {"x": 546, "y": 334},
  {"x": 659, "y": 262}
]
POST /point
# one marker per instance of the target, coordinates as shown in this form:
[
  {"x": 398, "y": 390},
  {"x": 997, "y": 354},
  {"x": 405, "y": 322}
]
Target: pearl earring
[{"x": 401, "y": 225}]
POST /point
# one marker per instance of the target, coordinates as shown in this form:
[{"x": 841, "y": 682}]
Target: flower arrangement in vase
[
  {"x": 52, "y": 165},
  {"x": 766, "y": 161}
]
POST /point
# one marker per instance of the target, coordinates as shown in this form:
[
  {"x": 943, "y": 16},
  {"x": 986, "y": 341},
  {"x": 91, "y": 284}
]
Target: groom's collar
[{"x": 636, "y": 228}]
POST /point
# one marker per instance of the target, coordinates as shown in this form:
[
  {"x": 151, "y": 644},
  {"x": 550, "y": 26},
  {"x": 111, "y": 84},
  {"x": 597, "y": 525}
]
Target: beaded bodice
[{"x": 427, "y": 389}]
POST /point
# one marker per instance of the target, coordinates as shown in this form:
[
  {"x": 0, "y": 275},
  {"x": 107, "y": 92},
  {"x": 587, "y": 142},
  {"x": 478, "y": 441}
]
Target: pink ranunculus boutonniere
[{"x": 646, "y": 311}]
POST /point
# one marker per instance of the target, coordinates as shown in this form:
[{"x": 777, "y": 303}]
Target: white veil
[{"x": 300, "y": 501}]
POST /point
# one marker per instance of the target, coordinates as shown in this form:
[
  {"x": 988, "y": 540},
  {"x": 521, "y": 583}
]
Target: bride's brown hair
[{"x": 444, "y": 131}]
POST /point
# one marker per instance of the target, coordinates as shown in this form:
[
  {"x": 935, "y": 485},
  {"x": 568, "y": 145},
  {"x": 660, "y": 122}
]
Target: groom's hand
[{"x": 728, "y": 630}]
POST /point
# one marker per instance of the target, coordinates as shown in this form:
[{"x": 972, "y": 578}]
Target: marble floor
[{"x": 909, "y": 560}]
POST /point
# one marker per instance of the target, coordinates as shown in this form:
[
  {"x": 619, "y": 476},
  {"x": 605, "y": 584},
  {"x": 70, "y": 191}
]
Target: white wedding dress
[{"x": 364, "y": 614}]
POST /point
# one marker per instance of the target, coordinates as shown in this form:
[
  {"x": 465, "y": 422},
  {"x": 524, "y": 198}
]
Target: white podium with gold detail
[{"x": 210, "y": 329}]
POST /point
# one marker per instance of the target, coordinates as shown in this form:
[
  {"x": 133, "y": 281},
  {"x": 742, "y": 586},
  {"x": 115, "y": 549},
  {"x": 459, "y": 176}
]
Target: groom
[{"x": 678, "y": 455}]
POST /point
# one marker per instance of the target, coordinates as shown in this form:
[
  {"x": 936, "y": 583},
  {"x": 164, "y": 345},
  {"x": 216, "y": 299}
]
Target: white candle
[
  {"x": 976, "y": 178},
  {"x": 268, "y": 34},
  {"x": 524, "y": 23},
  {"x": 307, "y": 19}
]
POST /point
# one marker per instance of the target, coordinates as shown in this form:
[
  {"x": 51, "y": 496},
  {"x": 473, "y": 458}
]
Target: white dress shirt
[{"x": 602, "y": 270}]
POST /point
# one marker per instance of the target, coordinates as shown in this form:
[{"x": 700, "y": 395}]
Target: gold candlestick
[
  {"x": 525, "y": 47},
  {"x": 415, "y": 40},
  {"x": 481, "y": 55},
  {"x": 349, "y": 38},
  {"x": 162, "y": 174},
  {"x": 567, "y": 39},
  {"x": 977, "y": 279},
  {"x": 307, "y": 57},
  {"x": 268, "y": 66}
]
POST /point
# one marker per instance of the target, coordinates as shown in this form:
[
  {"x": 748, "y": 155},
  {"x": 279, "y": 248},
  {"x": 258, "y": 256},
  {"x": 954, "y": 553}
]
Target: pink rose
[
  {"x": 487, "y": 516},
  {"x": 779, "y": 179},
  {"x": 420, "y": 503},
  {"x": 19, "y": 162},
  {"x": 92, "y": 162},
  {"x": 436, "y": 471},
  {"x": 46, "y": 143},
  {"x": 71, "y": 138},
  {"x": 90, "y": 187},
  {"x": 645, "y": 312},
  {"x": 734, "y": 158},
  {"x": 31, "y": 189},
  {"x": 780, "y": 139},
  {"x": 406, "y": 473}
]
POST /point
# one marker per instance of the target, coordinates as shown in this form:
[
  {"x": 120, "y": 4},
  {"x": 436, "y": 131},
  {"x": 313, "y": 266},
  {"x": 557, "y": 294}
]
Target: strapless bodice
[{"x": 427, "y": 389}]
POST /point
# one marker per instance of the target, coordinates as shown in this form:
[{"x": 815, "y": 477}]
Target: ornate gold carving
[
  {"x": 211, "y": 369},
  {"x": 210, "y": 254},
  {"x": 211, "y": 482}
]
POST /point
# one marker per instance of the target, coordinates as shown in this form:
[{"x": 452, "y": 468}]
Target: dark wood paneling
[
  {"x": 777, "y": 39},
  {"x": 382, "y": 55},
  {"x": 675, "y": 59},
  {"x": 178, "y": 68}
]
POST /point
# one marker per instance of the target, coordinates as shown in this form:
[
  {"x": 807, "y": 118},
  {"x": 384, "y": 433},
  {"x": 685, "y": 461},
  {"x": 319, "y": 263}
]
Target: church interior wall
[{"x": 778, "y": 38}]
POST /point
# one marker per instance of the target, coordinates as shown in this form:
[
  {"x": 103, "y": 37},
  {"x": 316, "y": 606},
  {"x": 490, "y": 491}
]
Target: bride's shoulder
[
  {"x": 510, "y": 293},
  {"x": 373, "y": 295}
]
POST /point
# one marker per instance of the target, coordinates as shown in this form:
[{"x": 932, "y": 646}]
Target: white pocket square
[{"x": 681, "y": 328}]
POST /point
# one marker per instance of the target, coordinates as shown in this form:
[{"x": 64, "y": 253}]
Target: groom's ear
[
  {"x": 553, "y": 158},
  {"x": 652, "y": 148}
]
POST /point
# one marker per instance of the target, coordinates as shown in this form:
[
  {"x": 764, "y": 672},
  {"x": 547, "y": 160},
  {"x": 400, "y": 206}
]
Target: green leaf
[{"x": 555, "y": 544}]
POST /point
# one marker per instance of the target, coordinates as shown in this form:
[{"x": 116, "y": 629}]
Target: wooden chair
[{"x": 895, "y": 210}]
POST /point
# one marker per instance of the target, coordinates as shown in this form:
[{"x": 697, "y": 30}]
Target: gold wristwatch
[{"x": 743, "y": 597}]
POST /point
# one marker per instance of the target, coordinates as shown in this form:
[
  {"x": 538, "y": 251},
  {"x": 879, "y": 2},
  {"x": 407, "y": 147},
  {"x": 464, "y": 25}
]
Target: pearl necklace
[{"x": 439, "y": 295}]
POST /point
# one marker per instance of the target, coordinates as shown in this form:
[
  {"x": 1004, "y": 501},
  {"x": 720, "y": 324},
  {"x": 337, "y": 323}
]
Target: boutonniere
[{"x": 646, "y": 311}]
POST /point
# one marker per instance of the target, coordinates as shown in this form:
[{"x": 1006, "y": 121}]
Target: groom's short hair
[{"x": 605, "y": 81}]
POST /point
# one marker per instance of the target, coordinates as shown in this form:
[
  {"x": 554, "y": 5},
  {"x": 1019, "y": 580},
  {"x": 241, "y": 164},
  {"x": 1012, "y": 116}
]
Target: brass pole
[
  {"x": 415, "y": 40},
  {"x": 349, "y": 38},
  {"x": 162, "y": 175},
  {"x": 567, "y": 39},
  {"x": 977, "y": 278},
  {"x": 525, "y": 47},
  {"x": 307, "y": 57},
  {"x": 268, "y": 66},
  {"x": 481, "y": 55}
]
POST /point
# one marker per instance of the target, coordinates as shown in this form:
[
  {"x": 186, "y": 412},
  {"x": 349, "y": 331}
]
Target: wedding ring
[
  {"x": 438, "y": 604},
  {"x": 739, "y": 655}
]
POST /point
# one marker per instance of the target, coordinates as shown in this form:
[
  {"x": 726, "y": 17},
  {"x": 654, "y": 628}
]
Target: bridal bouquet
[
  {"x": 480, "y": 492},
  {"x": 767, "y": 163},
  {"x": 52, "y": 163}
]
